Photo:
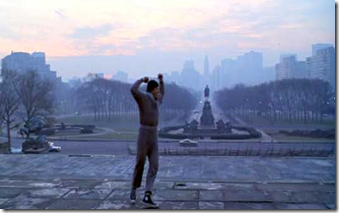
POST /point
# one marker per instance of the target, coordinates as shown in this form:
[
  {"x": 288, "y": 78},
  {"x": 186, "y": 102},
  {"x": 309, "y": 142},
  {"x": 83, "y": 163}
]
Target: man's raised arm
[
  {"x": 161, "y": 88},
  {"x": 135, "y": 88}
]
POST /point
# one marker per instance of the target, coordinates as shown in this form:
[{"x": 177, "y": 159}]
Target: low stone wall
[{"x": 3, "y": 148}]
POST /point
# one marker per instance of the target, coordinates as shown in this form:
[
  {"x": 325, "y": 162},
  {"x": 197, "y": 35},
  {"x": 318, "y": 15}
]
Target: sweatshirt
[{"x": 148, "y": 106}]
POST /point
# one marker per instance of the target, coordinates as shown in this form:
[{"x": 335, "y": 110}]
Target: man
[{"x": 147, "y": 144}]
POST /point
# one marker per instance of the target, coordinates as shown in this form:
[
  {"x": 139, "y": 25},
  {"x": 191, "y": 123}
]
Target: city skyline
[
  {"x": 228, "y": 73},
  {"x": 94, "y": 36}
]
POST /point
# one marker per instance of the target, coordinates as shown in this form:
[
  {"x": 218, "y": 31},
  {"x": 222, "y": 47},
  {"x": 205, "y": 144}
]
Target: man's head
[{"x": 153, "y": 87}]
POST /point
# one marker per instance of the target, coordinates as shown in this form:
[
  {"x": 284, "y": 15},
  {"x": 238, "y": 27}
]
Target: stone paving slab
[
  {"x": 74, "y": 204},
  {"x": 243, "y": 205},
  {"x": 88, "y": 194},
  {"x": 52, "y": 193},
  {"x": 118, "y": 204},
  {"x": 301, "y": 186},
  {"x": 7, "y": 192},
  {"x": 3, "y": 201},
  {"x": 258, "y": 169},
  {"x": 178, "y": 205},
  {"x": 176, "y": 195},
  {"x": 300, "y": 206},
  {"x": 26, "y": 203},
  {"x": 246, "y": 196},
  {"x": 211, "y": 205}
]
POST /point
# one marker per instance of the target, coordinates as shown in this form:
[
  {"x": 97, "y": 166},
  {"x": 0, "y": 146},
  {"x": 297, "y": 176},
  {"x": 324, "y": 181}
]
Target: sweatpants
[{"x": 147, "y": 146}]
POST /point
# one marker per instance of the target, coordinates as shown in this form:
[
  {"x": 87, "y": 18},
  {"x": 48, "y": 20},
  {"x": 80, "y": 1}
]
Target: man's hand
[
  {"x": 160, "y": 77},
  {"x": 145, "y": 79}
]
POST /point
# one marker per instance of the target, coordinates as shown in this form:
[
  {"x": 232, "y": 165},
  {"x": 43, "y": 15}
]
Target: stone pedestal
[
  {"x": 4, "y": 147},
  {"x": 35, "y": 146},
  {"x": 207, "y": 119}
]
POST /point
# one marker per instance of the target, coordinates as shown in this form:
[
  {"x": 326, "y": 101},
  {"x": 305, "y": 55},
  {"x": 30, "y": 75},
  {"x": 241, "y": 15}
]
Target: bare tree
[
  {"x": 36, "y": 95},
  {"x": 9, "y": 102}
]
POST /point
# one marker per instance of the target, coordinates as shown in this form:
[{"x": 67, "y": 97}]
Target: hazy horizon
[{"x": 144, "y": 38}]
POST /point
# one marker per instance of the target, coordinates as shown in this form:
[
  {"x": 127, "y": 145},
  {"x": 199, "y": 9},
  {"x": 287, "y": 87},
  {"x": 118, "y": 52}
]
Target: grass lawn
[
  {"x": 286, "y": 138},
  {"x": 123, "y": 125},
  {"x": 123, "y": 136},
  {"x": 262, "y": 121}
]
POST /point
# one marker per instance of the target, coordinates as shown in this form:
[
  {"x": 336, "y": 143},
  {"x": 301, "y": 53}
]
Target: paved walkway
[{"x": 103, "y": 182}]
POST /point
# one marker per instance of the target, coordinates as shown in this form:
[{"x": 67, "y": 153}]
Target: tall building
[
  {"x": 248, "y": 66},
  {"x": 243, "y": 70},
  {"x": 322, "y": 65},
  {"x": 229, "y": 74},
  {"x": 206, "y": 76},
  {"x": 286, "y": 55},
  {"x": 206, "y": 66},
  {"x": 216, "y": 79},
  {"x": 188, "y": 65},
  {"x": 289, "y": 67},
  {"x": 316, "y": 47},
  {"x": 22, "y": 62},
  {"x": 189, "y": 77}
]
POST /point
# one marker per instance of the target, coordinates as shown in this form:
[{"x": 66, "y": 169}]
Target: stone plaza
[{"x": 60, "y": 181}]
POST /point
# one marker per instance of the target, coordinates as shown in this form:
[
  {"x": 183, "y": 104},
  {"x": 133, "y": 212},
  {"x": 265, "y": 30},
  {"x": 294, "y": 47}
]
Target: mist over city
[{"x": 194, "y": 91}]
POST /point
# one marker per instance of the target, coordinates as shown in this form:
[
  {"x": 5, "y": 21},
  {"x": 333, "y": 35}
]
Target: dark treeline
[
  {"x": 109, "y": 100},
  {"x": 292, "y": 100}
]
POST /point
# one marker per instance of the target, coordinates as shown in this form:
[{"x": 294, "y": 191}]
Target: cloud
[
  {"x": 7, "y": 33},
  {"x": 92, "y": 32}
]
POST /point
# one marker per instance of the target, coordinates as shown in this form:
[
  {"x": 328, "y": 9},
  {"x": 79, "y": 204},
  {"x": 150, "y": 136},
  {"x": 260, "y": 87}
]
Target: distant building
[
  {"x": 229, "y": 72},
  {"x": 243, "y": 70},
  {"x": 120, "y": 76},
  {"x": 22, "y": 62},
  {"x": 267, "y": 74},
  {"x": 290, "y": 68},
  {"x": 189, "y": 77},
  {"x": 316, "y": 47},
  {"x": 322, "y": 65},
  {"x": 286, "y": 55},
  {"x": 216, "y": 79},
  {"x": 249, "y": 65},
  {"x": 206, "y": 75},
  {"x": 206, "y": 67},
  {"x": 188, "y": 65}
]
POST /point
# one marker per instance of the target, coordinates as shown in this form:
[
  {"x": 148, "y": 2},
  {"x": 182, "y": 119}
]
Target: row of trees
[
  {"x": 108, "y": 99},
  {"x": 23, "y": 97},
  {"x": 289, "y": 99}
]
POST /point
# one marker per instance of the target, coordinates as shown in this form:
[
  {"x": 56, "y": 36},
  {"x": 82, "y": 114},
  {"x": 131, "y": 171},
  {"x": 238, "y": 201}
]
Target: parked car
[{"x": 53, "y": 148}]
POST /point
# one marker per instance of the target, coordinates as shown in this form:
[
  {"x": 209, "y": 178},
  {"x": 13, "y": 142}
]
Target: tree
[
  {"x": 9, "y": 102},
  {"x": 36, "y": 95}
]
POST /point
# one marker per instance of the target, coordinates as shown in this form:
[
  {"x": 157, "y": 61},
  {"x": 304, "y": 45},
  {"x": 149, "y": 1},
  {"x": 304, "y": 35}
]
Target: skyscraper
[
  {"x": 189, "y": 77},
  {"x": 206, "y": 77},
  {"x": 289, "y": 67},
  {"x": 206, "y": 66},
  {"x": 316, "y": 47},
  {"x": 23, "y": 62},
  {"x": 322, "y": 65}
]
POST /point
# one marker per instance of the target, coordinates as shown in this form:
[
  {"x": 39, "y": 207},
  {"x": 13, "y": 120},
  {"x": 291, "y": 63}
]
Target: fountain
[{"x": 207, "y": 128}]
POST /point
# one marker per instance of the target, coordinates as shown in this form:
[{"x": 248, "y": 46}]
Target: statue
[
  {"x": 34, "y": 125},
  {"x": 34, "y": 145},
  {"x": 207, "y": 93}
]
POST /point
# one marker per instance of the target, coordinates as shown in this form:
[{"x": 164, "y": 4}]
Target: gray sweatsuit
[{"x": 147, "y": 144}]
